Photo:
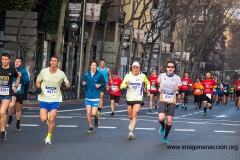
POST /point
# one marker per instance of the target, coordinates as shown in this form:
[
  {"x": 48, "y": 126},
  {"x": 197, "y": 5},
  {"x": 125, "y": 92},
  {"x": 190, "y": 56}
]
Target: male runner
[
  {"x": 198, "y": 91},
  {"x": 231, "y": 93},
  {"x": 48, "y": 83},
  {"x": 219, "y": 91},
  {"x": 169, "y": 84},
  {"x": 225, "y": 92},
  {"x": 93, "y": 81},
  {"x": 106, "y": 72},
  {"x": 208, "y": 85},
  {"x": 115, "y": 92},
  {"x": 134, "y": 82},
  {"x": 186, "y": 84},
  {"x": 237, "y": 92},
  {"x": 17, "y": 99},
  {"x": 6, "y": 79},
  {"x": 153, "y": 89}
]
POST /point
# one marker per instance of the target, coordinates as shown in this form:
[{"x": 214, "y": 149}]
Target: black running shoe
[
  {"x": 9, "y": 122},
  {"x": 112, "y": 114},
  {"x": 96, "y": 122},
  {"x": 210, "y": 108},
  {"x": 3, "y": 136},
  {"x": 90, "y": 130},
  {"x": 18, "y": 127}
]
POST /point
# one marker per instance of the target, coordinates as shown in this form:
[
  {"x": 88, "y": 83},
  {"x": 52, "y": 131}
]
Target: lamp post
[{"x": 74, "y": 28}]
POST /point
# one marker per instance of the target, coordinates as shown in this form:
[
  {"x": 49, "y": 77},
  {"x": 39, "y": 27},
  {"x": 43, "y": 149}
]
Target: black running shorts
[{"x": 169, "y": 106}]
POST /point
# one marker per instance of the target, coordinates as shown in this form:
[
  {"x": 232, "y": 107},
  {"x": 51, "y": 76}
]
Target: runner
[
  {"x": 93, "y": 81},
  {"x": 186, "y": 84},
  {"x": 169, "y": 84},
  {"x": 6, "y": 79},
  {"x": 219, "y": 91},
  {"x": 198, "y": 91},
  {"x": 107, "y": 76},
  {"x": 225, "y": 92},
  {"x": 178, "y": 96},
  {"x": 115, "y": 92},
  {"x": 153, "y": 89},
  {"x": 48, "y": 85},
  {"x": 237, "y": 92},
  {"x": 231, "y": 93},
  {"x": 134, "y": 82},
  {"x": 17, "y": 99},
  {"x": 208, "y": 85}
]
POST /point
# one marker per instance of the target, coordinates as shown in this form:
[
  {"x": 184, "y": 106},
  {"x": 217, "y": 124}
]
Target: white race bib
[
  {"x": 238, "y": 86},
  {"x": 4, "y": 90},
  {"x": 135, "y": 87},
  {"x": 153, "y": 87},
  {"x": 18, "y": 88},
  {"x": 50, "y": 91},
  {"x": 225, "y": 90},
  {"x": 197, "y": 90},
  {"x": 168, "y": 96},
  {"x": 114, "y": 87}
]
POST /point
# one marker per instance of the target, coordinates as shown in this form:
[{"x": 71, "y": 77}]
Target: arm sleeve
[
  {"x": 146, "y": 81},
  {"x": 39, "y": 77},
  {"x": 123, "y": 84}
]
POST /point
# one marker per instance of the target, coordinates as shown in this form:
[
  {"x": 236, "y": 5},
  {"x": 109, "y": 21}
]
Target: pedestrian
[
  {"x": 198, "y": 91},
  {"x": 115, "y": 92},
  {"x": 153, "y": 89},
  {"x": 17, "y": 98},
  {"x": 48, "y": 85},
  {"x": 134, "y": 82},
  {"x": 6, "y": 79},
  {"x": 93, "y": 81},
  {"x": 106, "y": 72},
  {"x": 169, "y": 84}
]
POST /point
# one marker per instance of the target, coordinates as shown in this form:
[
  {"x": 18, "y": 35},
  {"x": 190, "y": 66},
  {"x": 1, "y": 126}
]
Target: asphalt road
[{"x": 190, "y": 133}]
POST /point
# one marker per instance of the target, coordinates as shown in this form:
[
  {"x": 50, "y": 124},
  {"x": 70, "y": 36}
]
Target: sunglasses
[{"x": 170, "y": 67}]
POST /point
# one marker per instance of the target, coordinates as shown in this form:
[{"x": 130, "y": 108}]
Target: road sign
[{"x": 74, "y": 11}]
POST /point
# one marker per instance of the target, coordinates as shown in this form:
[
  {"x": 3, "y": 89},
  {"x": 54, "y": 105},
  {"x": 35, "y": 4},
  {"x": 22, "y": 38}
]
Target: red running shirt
[
  {"x": 153, "y": 82},
  {"x": 208, "y": 85},
  {"x": 237, "y": 85},
  {"x": 185, "y": 84},
  {"x": 115, "y": 86}
]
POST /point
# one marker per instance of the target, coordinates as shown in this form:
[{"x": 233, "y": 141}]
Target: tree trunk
[
  {"x": 57, "y": 50},
  {"x": 135, "y": 51},
  {"x": 150, "y": 59},
  {"x": 89, "y": 46},
  {"x": 120, "y": 49},
  {"x": 103, "y": 39}
]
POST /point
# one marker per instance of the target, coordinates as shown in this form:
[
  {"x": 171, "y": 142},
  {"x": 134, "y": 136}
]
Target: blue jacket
[
  {"x": 91, "y": 92},
  {"x": 24, "y": 80}
]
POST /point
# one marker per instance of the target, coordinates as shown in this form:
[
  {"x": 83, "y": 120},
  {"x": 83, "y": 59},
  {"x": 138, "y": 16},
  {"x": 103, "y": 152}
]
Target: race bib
[
  {"x": 225, "y": 90},
  {"x": 114, "y": 87},
  {"x": 238, "y": 86},
  {"x": 153, "y": 87},
  {"x": 135, "y": 87},
  {"x": 18, "y": 88},
  {"x": 4, "y": 90},
  {"x": 197, "y": 90},
  {"x": 167, "y": 96},
  {"x": 184, "y": 82},
  {"x": 50, "y": 91}
]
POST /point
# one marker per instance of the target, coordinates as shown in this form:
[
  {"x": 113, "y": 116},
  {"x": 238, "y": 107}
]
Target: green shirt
[{"x": 50, "y": 85}]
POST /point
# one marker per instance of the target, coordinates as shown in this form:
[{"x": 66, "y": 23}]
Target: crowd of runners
[{"x": 165, "y": 92}]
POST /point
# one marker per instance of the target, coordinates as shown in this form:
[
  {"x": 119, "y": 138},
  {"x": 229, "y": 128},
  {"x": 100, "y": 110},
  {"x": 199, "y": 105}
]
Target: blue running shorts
[
  {"x": 92, "y": 103},
  {"x": 49, "y": 105}
]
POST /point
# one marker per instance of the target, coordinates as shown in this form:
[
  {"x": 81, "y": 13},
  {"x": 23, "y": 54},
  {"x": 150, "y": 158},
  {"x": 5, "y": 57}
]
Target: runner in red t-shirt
[
  {"x": 208, "y": 85},
  {"x": 186, "y": 85},
  {"x": 153, "y": 89},
  {"x": 115, "y": 92},
  {"x": 237, "y": 92}
]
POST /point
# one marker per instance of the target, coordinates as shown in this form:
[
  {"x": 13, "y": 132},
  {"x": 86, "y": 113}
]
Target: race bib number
[
  {"x": 18, "y": 88},
  {"x": 4, "y": 90},
  {"x": 135, "y": 87},
  {"x": 153, "y": 87},
  {"x": 198, "y": 90},
  {"x": 168, "y": 97},
  {"x": 184, "y": 82},
  {"x": 225, "y": 90},
  {"x": 114, "y": 87},
  {"x": 50, "y": 91}
]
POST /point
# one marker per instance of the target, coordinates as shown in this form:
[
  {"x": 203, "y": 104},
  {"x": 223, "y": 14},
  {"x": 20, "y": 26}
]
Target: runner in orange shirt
[{"x": 198, "y": 91}]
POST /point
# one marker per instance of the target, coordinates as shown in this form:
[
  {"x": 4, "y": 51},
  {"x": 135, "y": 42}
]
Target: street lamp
[{"x": 74, "y": 27}]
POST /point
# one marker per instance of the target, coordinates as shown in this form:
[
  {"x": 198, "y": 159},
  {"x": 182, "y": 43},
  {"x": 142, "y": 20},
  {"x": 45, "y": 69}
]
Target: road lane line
[
  {"x": 30, "y": 116},
  {"x": 224, "y": 131},
  {"x": 67, "y": 125},
  {"x": 151, "y": 129},
  {"x": 231, "y": 124},
  {"x": 107, "y": 127},
  {"x": 198, "y": 122},
  {"x": 29, "y": 125},
  {"x": 185, "y": 130}
]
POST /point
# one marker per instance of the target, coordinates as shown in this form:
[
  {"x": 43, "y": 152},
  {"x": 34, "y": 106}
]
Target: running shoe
[
  {"x": 96, "y": 122},
  {"x": 205, "y": 115},
  {"x": 182, "y": 107},
  {"x": 3, "y": 136},
  {"x": 99, "y": 113},
  {"x": 196, "y": 108},
  {"x": 161, "y": 131},
  {"x": 177, "y": 105},
  {"x": 165, "y": 140},
  {"x": 210, "y": 108},
  {"x": 130, "y": 136},
  {"x": 9, "y": 122},
  {"x": 185, "y": 108},
  {"x": 47, "y": 141},
  {"x": 90, "y": 130},
  {"x": 150, "y": 111},
  {"x": 18, "y": 127},
  {"x": 112, "y": 114}
]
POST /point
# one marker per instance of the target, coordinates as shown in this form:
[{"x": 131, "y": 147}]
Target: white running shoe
[
  {"x": 129, "y": 126},
  {"x": 48, "y": 117},
  {"x": 130, "y": 136},
  {"x": 47, "y": 140}
]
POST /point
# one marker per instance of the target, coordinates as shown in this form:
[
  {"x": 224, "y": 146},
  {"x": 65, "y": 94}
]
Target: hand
[
  {"x": 19, "y": 74},
  {"x": 67, "y": 85},
  {"x": 84, "y": 83},
  {"x": 98, "y": 85},
  {"x": 39, "y": 90},
  {"x": 176, "y": 87},
  {"x": 159, "y": 89},
  {"x": 148, "y": 93},
  {"x": 117, "y": 89},
  {"x": 128, "y": 83},
  {"x": 107, "y": 88},
  {"x": 111, "y": 82},
  {"x": 15, "y": 90}
]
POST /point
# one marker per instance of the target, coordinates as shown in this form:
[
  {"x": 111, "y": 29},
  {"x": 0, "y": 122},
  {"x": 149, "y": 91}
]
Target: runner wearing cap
[
  {"x": 153, "y": 89},
  {"x": 134, "y": 82},
  {"x": 115, "y": 91}
]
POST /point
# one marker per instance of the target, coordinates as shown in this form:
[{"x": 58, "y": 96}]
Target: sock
[
  {"x": 49, "y": 135},
  {"x": 99, "y": 109},
  {"x": 162, "y": 123},
  {"x": 167, "y": 130},
  {"x": 18, "y": 122},
  {"x": 205, "y": 110}
]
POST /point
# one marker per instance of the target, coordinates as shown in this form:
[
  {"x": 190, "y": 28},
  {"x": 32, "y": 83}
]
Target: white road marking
[
  {"x": 29, "y": 125},
  {"x": 146, "y": 129},
  {"x": 227, "y": 124},
  {"x": 67, "y": 126},
  {"x": 107, "y": 127},
  {"x": 224, "y": 131},
  {"x": 198, "y": 122},
  {"x": 152, "y": 113},
  {"x": 189, "y": 114},
  {"x": 64, "y": 117},
  {"x": 185, "y": 130},
  {"x": 222, "y": 116},
  {"x": 30, "y": 116},
  {"x": 32, "y": 109}
]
